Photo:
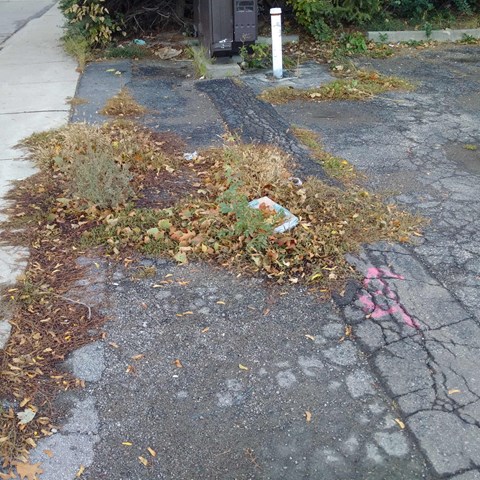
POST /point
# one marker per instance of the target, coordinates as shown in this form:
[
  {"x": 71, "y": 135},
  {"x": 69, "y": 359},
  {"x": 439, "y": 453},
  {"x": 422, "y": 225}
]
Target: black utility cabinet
[{"x": 224, "y": 25}]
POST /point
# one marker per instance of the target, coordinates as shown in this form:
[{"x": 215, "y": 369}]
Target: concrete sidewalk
[{"x": 36, "y": 76}]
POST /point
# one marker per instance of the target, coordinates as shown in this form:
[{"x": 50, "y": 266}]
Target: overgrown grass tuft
[
  {"x": 362, "y": 86},
  {"x": 123, "y": 105},
  {"x": 78, "y": 47},
  {"x": 335, "y": 166}
]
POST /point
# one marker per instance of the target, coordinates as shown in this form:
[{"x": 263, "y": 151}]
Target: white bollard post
[{"x": 276, "y": 15}]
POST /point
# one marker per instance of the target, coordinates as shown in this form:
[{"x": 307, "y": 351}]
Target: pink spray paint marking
[{"x": 367, "y": 300}]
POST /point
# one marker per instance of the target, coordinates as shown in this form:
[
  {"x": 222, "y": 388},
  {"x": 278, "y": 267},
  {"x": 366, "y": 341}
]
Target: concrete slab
[
  {"x": 446, "y": 35},
  {"x": 16, "y": 14},
  {"x": 45, "y": 96},
  {"x": 13, "y": 261},
  {"x": 15, "y": 127},
  {"x": 21, "y": 74},
  {"x": 11, "y": 170}
]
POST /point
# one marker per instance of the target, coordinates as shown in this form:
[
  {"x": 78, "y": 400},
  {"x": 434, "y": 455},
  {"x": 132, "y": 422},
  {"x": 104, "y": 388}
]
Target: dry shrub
[
  {"x": 98, "y": 179},
  {"x": 95, "y": 161}
]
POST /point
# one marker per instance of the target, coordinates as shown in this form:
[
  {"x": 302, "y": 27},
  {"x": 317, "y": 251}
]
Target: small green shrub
[
  {"x": 97, "y": 178},
  {"x": 318, "y": 17},
  {"x": 89, "y": 19},
  {"x": 257, "y": 55}
]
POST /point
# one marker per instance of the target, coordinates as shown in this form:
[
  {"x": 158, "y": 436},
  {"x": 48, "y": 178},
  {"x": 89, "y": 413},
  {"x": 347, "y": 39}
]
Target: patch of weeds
[
  {"x": 98, "y": 179},
  {"x": 74, "y": 101},
  {"x": 336, "y": 167},
  {"x": 260, "y": 56},
  {"x": 213, "y": 223},
  {"x": 201, "y": 60},
  {"x": 219, "y": 225},
  {"x": 123, "y": 105},
  {"x": 143, "y": 272},
  {"x": 470, "y": 147},
  {"x": 361, "y": 86},
  {"x": 469, "y": 40},
  {"x": 130, "y": 50},
  {"x": 78, "y": 47}
]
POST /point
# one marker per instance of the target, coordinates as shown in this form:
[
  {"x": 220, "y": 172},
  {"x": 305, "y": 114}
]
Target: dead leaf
[
  {"x": 113, "y": 344},
  {"x": 310, "y": 337},
  {"x": 220, "y": 302},
  {"x": 131, "y": 369},
  {"x": 80, "y": 471},
  {"x": 308, "y": 416},
  {"x": 242, "y": 367},
  {"x": 348, "y": 330},
  {"x": 49, "y": 453},
  {"x": 178, "y": 363},
  {"x": 28, "y": 471},
  {"x": 205, "y": 330},
  {"x": 166, "y": 53},
  {"x": 7, "y": 476},
  {"x": 454, "y": 390},
  {"x": 26, "y": 416},
  {"x": 152, "y": 452},
  {"x": 138, "y": 357},
  {"x": 400, "y": 423},
  {"x": 143, "y": 461}
]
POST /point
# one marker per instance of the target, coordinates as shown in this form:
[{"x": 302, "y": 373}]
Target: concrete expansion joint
[{"x": 35, "y": 111}]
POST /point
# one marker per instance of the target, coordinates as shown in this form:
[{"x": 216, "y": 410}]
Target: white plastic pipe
[{"x": 277, "y": 61}]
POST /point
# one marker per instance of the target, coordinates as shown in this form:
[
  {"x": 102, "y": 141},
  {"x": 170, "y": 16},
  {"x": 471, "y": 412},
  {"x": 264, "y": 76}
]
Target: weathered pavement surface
[
  {"x": 416, "y": 339},
  {"x": 414, "y": 145}
]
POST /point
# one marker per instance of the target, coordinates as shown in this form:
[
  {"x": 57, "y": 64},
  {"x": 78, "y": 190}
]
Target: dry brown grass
[
  {"x": 123, "y": 105},
  {"x": 362, "y": 85},
  {"x": 335, "y": 166}
]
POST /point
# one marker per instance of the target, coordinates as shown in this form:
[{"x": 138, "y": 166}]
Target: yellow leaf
[
  {"x": 80, "y": 471},
  {"x": 221, "y": 302},
  {"x": 308, "y": 416},
  {"x": 454, "y": 390},
  {"x": 310, "y": 337},
  {"x": 143, "y": 461},
  {"x": 152, "y": 452},
  {"x": 400, "y": 423},
  {"x": 348, "y": 330},
  {"x": 127, "y": 444},
  {"x": 242, "y": 367}
]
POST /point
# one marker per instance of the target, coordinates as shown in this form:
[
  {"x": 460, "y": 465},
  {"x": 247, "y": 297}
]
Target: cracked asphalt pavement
[{"x": 231, "y": 365}]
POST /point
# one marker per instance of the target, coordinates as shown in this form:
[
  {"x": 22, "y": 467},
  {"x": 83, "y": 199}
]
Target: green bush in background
[
  {"x": 90, "y": 20},
  {"x": 321, "y": 17}
]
